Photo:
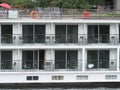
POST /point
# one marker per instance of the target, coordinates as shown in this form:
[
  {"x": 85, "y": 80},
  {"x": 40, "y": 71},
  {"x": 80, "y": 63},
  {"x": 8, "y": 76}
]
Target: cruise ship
[{"x": 51, "y": 45}]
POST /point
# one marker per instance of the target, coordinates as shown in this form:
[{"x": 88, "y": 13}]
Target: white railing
[{"x": 47, "y": 13}]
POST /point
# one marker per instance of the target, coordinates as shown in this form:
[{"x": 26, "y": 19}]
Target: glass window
[
  {"x": 98, "y": 33},
  {"x": 72, "y": 59},
  {"x": 6, "y": 33},
  {"x": 33, "y": 59},
  {"x": 60, "y": 33},
  {"x": 39, "y": 33},
  {"x": 60, "y": 59},
  {"x": 6, "y": 59},
  {"x": 66, "y": 59},
  {"x": 72, "y": 33},
  {"x": 66, "y": 33},
  {"x": 92, "y": 57},
  {"x": 27, "y": 33},
  {"x": 33, "y": 33},
  {"x": 97, "y": 59},
  {"x": 29, "y": 78},
  {"x": 27, "y": 59}
]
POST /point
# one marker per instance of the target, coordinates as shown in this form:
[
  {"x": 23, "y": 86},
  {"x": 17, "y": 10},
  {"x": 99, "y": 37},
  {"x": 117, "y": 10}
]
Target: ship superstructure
[{"x": 59, "y": 48}]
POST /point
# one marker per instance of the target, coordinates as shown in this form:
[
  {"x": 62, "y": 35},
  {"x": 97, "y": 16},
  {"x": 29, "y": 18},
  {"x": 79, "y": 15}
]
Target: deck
[{"x": 57, "y": 13}]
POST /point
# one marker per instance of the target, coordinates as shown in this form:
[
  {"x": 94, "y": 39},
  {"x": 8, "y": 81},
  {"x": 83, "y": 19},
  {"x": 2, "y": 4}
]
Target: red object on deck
[
  {"x": 5, "y": 5},
  {"x": 86, "y": 14}
]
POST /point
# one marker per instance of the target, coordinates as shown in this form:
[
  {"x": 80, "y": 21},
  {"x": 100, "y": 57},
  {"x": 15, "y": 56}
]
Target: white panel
[
  {"x": 84, "y": 56},
  {"x": 15, "y": 33},
  {"x": 113, "y": 29},
  {"x": 113, "y": 59},
  {"x": 20, "y": 29},
  {"x": 81, "y": 29},
  {"x": 79, "y": 59},
  {"x": 48, "y": 28},
  {"x": 48, "y": 55},
  {"x": 53, "y": 28},
  {"x": 15, "y": 55},
  {"x": 15, "y": 28},
  {"x": 113, "y": 54},
  {"x": 85, "y": 28}
]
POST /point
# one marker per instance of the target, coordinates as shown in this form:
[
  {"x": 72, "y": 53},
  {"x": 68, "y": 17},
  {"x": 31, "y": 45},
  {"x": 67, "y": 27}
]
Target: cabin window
[
  {"x": 35, "y": 77},
  {"x": 66, "y": 33},
  {"x": 97, "y": 59},
  {"x": 98, "y": 33},
  {"x": 57, "y": 77},
  {"x": 66, "y": 59},
  {"x": 29, "y": 77},
  {"x": 33, "y": 33},
  {"x": 33, "y": 59},
  {"x": 82, "y": 77},
  {"x": 6, "y": 34},
  {"x": 32, "y": 78},
  {"x": 110, "y": 77}
]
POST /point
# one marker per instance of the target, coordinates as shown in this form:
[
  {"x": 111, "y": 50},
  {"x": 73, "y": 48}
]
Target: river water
[{"x": 100, "y": 88}]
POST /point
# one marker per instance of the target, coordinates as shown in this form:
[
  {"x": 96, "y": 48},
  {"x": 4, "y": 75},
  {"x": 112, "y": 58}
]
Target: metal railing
[
  {"x": 48, "y": 39},
  {"x": 31, "y": 65},
  {"x": 101, "y": 65},
  {"x": 66, "y": 13},
  {"x": 57, "y": 65}
]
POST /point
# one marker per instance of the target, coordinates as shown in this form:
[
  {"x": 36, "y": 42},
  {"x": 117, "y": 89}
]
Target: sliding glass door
[
  {"x": 33, "y": 59},
  {"x": 98, "y": 33},
  {"x": 97, "y": 59},
  {"x": 66, "y": 59},
  {"x": 6, "y": 34},
  {"x": 6, "y": 59},
  {"x": 33, "y": 33},
  {"x": 66, "y": 33}
]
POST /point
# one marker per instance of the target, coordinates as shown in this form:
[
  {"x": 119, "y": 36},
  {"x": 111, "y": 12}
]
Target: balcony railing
[
  {"x": 31, "y": 65},
  {"x": 48, "y": 39},
  {"x": 53, "y": 65},
  {"x": 101, "y": 65},
  {"x": 57, "y": 13}
]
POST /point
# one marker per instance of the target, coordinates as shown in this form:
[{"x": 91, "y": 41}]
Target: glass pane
[
  {"x": 27, "y": 33},
  {"x": 6, "y": 33},
  {"x": 6, "y": 59},
  {"x": 72, "y": 61},
  {"x": 41, "y": 59},
  {"x": 104, "y": 59},
  {"x": 35, "y": 59},
  {"x": 104, "y": 33},
  {"x": 92, "y": 33},
  {"x": 92, "y": 59},
  {"x": 60, "y": 59},
  {"x": 40, "y": 33},
  {"x": 27, "y": 59},
  {"x": 72, "y": 33},
  {"x": 60, "y": 33}
]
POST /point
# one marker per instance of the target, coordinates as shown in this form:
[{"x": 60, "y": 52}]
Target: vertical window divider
[
  {"x": 98, "y": 59},
  {"x": 66, "y": 66},
  {"x": 98, "y": 33},
  {"x": 33, "y": 33},
  {"x": 66, "y": 33},
  {"x": 33, "y": 59},
  {"x": 38, "y": 59}
]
